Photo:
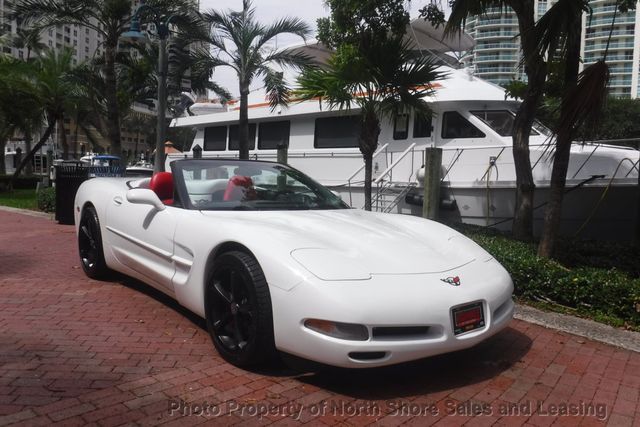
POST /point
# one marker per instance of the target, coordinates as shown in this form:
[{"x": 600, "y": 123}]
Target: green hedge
[
  {"x": 606, "y": 294},
  {"x": 47, "y": 199},
  {"x": 21, "y": 183}
]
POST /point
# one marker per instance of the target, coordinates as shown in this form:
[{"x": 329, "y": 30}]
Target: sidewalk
[{"x": 76, "y": 351}]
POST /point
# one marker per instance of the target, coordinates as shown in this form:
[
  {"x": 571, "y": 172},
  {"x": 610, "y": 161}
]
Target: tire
[
  {"x": 90, "y": 245},
  {"x": 238, "y": 311}
]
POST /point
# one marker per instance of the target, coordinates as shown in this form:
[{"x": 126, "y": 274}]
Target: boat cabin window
[
  {"x": 401, "y": 126},
  {"x": 337, "y": 132},
  {"x": 234, "y": 140},
  {"x": 422, "y": 126},
  {"x": 273, "y": 134},
  {"x": 454, "y": 125},
  {"x": 500, "y": 121},
  {"x": 215, "y": 138}
]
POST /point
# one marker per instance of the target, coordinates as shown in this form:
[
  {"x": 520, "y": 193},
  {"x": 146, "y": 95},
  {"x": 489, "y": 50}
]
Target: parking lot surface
[{"x": 75, "y": 351}]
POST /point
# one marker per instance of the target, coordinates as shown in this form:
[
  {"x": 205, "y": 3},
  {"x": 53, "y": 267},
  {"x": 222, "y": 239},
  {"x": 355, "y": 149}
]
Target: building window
[
  {"x": 215, "y": 138},
  {"x": 273, "y": 134},
  {"x": 337, "y": 132},
  {"x": 234, "y": 140},
  {"x": 456, "y": 126},
  {"x": 421, "y": 126},
  {"x": 401, "y": 126}
]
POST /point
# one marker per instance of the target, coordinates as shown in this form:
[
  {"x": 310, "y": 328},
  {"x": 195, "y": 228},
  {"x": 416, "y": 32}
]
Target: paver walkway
[{"x": 76, "y": 351}]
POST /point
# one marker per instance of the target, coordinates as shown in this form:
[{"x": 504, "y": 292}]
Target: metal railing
[{"x": 353, "y": 175}]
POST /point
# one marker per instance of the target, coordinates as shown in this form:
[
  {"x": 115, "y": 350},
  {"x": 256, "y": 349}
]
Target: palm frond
[
  {"x": 585, "y": 102},
  {"x": 287, "y": 25},
  {"x": 278, "y": 92},
  {"x": 462, "y": 9},
  {"x": 557, "y": 24}
]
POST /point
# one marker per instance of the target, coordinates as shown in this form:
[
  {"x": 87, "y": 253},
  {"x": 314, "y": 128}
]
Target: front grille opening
[
  {"x": 367, "y": 355},
  {"x": 400, "y": 332}
]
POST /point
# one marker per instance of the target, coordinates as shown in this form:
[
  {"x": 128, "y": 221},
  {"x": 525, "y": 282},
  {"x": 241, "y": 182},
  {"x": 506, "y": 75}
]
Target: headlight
[{"x": 344, "y": 331}]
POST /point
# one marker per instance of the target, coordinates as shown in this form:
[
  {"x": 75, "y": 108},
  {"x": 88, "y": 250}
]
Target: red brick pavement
[{"x": 74, "y": 351}]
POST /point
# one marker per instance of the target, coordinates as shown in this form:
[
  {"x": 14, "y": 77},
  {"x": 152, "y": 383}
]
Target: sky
[{"x": 268, "y": 11}]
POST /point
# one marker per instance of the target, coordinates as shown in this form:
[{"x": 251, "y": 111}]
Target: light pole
[{"x": 161, "y": 22}]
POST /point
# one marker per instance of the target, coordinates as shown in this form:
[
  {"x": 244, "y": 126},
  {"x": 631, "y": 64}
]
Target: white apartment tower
[{"x": 497, "y": 55}]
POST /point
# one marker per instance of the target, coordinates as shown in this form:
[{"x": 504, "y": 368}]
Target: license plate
[{"x": 467, "y": 318}]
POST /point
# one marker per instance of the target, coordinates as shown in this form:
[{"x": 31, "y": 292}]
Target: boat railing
[
  {"x": 396, "y": 162},
  {"x": 354, "y": 174}
]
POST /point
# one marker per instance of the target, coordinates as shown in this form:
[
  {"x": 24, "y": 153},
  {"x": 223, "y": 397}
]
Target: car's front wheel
[
  {"x": 90, "y": 245},
  {"x": 238, "y": 310}
]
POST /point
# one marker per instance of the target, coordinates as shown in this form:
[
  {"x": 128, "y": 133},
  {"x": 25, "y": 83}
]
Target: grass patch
[
  {"x": 593, "y": 280},
  {"x": 22, "y": 199}
]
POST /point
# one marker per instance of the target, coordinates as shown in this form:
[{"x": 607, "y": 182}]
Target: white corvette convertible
[{"x": 275, "y": 262}]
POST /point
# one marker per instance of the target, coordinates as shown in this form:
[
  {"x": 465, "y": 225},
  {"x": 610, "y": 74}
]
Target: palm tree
[
  {"x": 379, "y": 89},
  {"x": 29, "y": 39},
  {"x": 108, "y": 18},
  {"x": 17, "y": 101},
  {"x": 244, "y": 45},
  {"x": 50, "y": 81},
  {"x": 535, "y": 67},
  {"x": 559, "y": 33}
]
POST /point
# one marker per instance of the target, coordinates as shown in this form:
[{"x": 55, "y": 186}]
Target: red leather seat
[
  {"x": 162, "y": 184},
  {"x": 239, "y": 188}
]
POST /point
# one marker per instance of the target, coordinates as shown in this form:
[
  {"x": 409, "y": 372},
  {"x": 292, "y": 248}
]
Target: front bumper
[{"x": 394, "y": 301}]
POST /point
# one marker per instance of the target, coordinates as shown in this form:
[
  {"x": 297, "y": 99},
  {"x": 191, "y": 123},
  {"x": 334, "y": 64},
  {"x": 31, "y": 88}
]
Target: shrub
[
  {"x": 47, "y": 199},
  {"x": 601, "y": 293},
  {"x": 21, "y": 183}
]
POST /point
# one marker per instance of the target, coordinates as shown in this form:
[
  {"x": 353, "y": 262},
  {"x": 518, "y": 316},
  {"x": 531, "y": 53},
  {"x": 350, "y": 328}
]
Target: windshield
[
  {"x": 247, "y": 185},
  {"x": 501, "y": 121}
]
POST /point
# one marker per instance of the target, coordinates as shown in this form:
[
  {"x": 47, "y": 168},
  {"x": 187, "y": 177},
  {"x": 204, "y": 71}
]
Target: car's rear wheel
[
  {"x": 90, "y": 245},
  {"x": 238, "y": 310}
]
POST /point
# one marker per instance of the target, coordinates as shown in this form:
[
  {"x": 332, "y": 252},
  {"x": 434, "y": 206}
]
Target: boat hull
[{"x": 593, "y": 211}]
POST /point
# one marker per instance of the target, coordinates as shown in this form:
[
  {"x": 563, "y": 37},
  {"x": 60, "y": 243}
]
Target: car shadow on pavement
[
  {"x": 449, "y": 371},
  {"x": 480, "y": 363},
  {"x": 276, "y": 370}
]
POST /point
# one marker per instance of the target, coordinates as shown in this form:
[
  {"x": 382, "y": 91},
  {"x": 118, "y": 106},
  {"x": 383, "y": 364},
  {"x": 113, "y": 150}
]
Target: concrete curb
[
  {"x": 27, "y": 212},
  {"x": 629, "y": 340}
]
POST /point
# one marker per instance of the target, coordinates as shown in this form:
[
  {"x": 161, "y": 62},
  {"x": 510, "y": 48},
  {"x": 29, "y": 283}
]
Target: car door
[{"x": 142, "y": 239}]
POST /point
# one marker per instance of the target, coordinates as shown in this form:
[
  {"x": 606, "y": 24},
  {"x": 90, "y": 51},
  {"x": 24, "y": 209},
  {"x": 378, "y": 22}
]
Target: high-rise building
[
  {"x": 497, "y": 55},
  {"x": 623, "y": 54}
]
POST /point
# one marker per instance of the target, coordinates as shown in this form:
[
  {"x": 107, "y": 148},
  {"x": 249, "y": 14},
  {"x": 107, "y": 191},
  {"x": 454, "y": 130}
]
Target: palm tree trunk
[
  {"x": 536, "y": 70},
  {"x": 243, "y": 125},
  {"x": 75, "y": 138},
  {"x": 368, "y": 172},
  {"x": 63, "y": 139},
  {"x": 553, "y": 212},
  {"x": 51, "y": 119},
  {"x": 525, "y": 186},
  {"x": 28, "y": 170},
  {"x": 3, "y": 146},
  {"x": 368, "y": 143},
  {"x": 113, "y": 115}
]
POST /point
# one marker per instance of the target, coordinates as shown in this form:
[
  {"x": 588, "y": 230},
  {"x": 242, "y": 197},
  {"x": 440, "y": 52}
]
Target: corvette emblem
[{"x": 453, "y": 281}]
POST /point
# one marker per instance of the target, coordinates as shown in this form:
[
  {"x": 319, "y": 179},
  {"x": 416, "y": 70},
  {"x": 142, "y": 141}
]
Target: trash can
[{"x": 69, "y": 176}]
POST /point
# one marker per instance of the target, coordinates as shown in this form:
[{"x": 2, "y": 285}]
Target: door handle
[{"x": 117, "y": 200}]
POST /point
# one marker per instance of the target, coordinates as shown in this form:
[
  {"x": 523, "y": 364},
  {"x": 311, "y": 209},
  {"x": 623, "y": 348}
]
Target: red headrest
[
  {"x": 235, "y": 192},
  {"x": 162, "y": 184}
]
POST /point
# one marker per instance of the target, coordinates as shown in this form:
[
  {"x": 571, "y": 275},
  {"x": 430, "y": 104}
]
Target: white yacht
[{"x": 472, "y": 123}]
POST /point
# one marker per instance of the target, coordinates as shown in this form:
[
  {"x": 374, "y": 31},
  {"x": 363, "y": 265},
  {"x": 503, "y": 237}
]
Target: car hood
[{"x": 351, "y": 244}]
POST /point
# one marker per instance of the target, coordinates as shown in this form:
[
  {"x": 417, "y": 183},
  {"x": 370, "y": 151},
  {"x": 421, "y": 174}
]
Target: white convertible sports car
[{"x": 275, "y": 262}]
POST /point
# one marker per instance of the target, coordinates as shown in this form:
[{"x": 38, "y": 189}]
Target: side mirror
[{"x": 143, "y": 196}]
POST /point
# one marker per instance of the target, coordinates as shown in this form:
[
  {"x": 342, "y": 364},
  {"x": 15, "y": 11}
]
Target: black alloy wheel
[
  {"x": 90, "y": 245},
  {"x": 238, "y": 310}
]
